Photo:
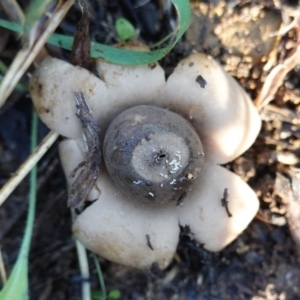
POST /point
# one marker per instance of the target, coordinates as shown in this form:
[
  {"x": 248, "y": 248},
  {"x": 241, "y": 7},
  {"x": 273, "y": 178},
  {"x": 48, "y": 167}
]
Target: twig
[
  {"x": 84, "y": 266},
  {"x": 25, "y": 56},
  {"x": 275, "y": 78},
  {"x": 149, "y": 242},
  {"x": 24, "y": 169},
  {"x": 13, "y": 11},
  {"x": 225, "y": 202},
  {"x": 2, "y": 270}
]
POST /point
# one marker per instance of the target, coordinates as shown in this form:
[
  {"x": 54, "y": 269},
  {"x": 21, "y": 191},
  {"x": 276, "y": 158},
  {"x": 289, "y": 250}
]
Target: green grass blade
[
  {"x": 11, "y": 26},
  {"x": 16, "y": 287},
  {"x": 100, "y": 276},
  {"x": 122, "y": 56}
]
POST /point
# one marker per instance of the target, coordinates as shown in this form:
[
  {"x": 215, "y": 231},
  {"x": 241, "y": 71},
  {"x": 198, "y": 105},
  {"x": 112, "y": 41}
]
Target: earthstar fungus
[
  {"x": 152, "y": 154},
  {"x": 137, "y": 223}
]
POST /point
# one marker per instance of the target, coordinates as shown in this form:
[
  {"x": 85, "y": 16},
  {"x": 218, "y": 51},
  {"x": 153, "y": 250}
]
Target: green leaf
[
  {"x": 125, "y": 29},
  {"x": 114, "y": 295},
  {"x": 16, "y": 287},
  {"x": 11, "y": 26}
]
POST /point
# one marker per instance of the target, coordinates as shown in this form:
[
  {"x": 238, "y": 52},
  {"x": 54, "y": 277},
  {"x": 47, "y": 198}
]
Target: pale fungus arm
[
  {"x": 218, "y": 108},
  {"x": 127, "y": 232},
  {"x": 122, "y": 225},
  {"x": 53, "y": 85},
  {"x": 218, "y": 208}
]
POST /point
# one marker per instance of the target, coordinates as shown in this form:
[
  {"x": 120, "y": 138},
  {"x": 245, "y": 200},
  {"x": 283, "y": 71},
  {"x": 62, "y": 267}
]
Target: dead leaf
[
  {"x": 80, "y": 55},
  {"x": 89, "y": 169},
  {"x": 276, "y": 77}
]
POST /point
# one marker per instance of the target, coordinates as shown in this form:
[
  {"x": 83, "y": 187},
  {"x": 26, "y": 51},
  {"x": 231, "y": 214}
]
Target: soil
[{"x": 263, "y": 263}]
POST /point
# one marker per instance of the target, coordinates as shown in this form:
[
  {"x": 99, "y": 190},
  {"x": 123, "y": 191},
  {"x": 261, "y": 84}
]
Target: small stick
[
  {"x": 149, "y": 242},
  {"x": 25, "y": 168},
  {"x": 225, "y": 202},
  {"x": 2, "y": 270},
  {"x": 83, "y": 265}
]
